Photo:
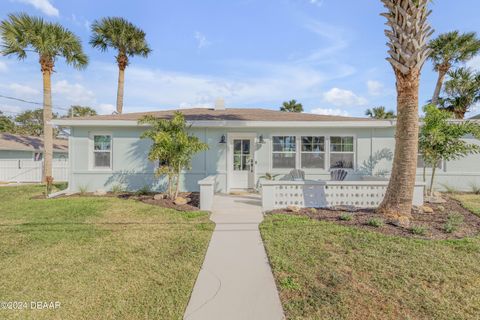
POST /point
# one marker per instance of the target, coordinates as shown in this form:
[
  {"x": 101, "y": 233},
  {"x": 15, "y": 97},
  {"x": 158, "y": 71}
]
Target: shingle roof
[
  {"x": 10, "y": 141},
  {"x": 243, "y": 114}
]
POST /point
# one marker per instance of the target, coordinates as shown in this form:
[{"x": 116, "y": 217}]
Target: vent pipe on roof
[{"x": 219, "y": 104}]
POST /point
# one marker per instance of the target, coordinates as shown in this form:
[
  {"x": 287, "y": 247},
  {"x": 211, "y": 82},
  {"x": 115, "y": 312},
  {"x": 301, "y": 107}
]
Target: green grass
[
  {"x": 101, "y": 258},
  {"x": 469, "y": 201},
  {"x": 327, "y": 271}
]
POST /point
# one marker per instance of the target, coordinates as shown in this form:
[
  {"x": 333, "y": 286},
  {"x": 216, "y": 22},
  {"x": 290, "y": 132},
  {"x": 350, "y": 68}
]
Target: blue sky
[{"x": 327, "y": 54}]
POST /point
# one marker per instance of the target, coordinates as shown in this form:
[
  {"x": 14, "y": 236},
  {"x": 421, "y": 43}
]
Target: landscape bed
[
  {"x": 100, "y": 257},
  {"x": 333, "y": 270},
  {"x": 448, "y": 220}
]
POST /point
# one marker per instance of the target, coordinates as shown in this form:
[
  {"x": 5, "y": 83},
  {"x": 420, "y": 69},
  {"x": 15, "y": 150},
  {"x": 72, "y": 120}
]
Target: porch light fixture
[
  {"x": 223, "y": 139},
  {"x": 261, "y": 140}
]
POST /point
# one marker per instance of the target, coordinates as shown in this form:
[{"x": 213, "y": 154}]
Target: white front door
[{"x": 242, "y": 162}]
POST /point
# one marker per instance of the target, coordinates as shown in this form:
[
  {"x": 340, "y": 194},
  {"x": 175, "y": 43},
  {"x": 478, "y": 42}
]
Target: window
[
  {"x": 421, "y": 163},
  {"x": 102, "y": 151},
  {"x": 38, "y": 156},
  {"x": 241, "y": 154},
  {"x": 341, "y": 152},
  {"x": 313, "y": 153},
  {"x": 284, "y": 152}
]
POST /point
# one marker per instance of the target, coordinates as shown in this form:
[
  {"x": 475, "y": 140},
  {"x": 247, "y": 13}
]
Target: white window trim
[
  {"x": 324, "y": 152},
  {"x": 91, "y": 151},
  {"x": 327, "y": 153},
  {"x": 354, "y": 152},
  {"x": 296, "y": 137}
]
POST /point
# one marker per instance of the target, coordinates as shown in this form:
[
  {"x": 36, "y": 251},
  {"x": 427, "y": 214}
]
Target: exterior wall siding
[{"x": 132, "y": 170}]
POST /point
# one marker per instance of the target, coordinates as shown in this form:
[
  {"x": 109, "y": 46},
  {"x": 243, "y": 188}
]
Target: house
[
  {"x": 244, "y": 145},
  {"x": 21, "y": 158}
]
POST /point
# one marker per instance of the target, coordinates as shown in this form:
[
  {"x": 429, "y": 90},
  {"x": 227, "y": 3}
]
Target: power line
[{"x": 32, "y": 102}]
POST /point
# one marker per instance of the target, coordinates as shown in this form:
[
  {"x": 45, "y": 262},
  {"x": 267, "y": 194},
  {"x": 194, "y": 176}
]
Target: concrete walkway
[{"x": 236, "y": 281}]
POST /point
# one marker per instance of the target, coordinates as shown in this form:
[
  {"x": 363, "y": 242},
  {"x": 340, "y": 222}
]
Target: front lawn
[
  {"x": 328, "y": 271},
  {"x": 101, "y": 258}
]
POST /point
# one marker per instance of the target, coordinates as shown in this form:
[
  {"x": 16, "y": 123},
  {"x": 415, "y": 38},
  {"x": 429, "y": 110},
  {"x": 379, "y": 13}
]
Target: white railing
[
  {"x": 207, "y": 192},
  {"x": 16, "y": 170},
  {"x": 321, "y": 194}
]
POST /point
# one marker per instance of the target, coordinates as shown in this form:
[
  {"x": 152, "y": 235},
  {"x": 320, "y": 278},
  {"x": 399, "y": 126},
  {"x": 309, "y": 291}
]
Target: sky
[{"x": 327, "y": 54}]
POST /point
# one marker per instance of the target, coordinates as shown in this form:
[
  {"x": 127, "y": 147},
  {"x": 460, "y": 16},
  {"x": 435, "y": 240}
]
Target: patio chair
[
  {"x": 294, "y": 175},
  {"x": 338, "y": 175}
]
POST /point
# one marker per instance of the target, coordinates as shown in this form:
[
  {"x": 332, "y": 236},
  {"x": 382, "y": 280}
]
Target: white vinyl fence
[
  {"x": 14, "y": 170},
  {"x": 318, "y": 194}
]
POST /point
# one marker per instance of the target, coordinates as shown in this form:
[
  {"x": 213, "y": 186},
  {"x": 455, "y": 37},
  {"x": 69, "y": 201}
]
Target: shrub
[
  {"x": 419, "y": 230},
  {"x": 375, "y": 222},
  {"x": 117, "y": 188},
  {"x": 142, "y": 191},
  {"x": 345, "y": 217},
  {"x": 454, "y": 221},
  {"x": 475, "y": 188},
  {"x": 82, "y": 189},
  {"x": 448, "y": 188}
]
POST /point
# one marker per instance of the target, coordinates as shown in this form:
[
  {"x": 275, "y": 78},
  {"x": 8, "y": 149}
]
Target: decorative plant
[
  {"x": 173, "y": 147},
  {"x": 441, "y": 139},
  {"x": 368, "y": 166}
]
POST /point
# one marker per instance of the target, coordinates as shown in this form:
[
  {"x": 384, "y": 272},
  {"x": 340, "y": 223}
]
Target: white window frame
[
  {"x": 298, "y": 159},
  {"x": 285, "y": 152},
  {"x": 324, "y": 152},
  {"x": 91, "y": 151},
  {"x": 354, "y": 148}
]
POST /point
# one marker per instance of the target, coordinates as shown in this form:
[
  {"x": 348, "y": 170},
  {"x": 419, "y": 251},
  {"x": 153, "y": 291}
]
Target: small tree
[
  {"x": 291, "y": 106},
  {"x": 173, "y": 148},
  {"x": 441, "y": 139},
  {"x": 6, "y": 123}
]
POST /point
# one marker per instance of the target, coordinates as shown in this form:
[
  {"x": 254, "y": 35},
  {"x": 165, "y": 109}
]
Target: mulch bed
[
  {"x": 433, "y": 223},
  {"x": 192, "y": 205}
]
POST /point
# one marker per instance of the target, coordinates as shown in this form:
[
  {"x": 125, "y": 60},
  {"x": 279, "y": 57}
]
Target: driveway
[{"x": 236, "y": 281}]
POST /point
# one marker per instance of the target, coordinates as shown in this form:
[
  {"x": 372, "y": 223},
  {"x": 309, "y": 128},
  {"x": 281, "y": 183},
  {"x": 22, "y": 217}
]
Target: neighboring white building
[{"x": 21, "y": 158}]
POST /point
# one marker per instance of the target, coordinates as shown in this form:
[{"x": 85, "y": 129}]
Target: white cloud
[
  {"x": 375, "y": 88},
  {"x": 474, "y": 63},
  {"x": 43, "y": 5},
  {"x": 330, "y": 111},
  {"x": 186, "y": 105},
  {"x": 202, "y": 40},
  {"x": 74, "y": 93},
  {"x": 316, "y": 2},
  {"x": 341, "y": 97},
  {"x": 20, "y": 90},
  {"x": 105, "y": 108}
]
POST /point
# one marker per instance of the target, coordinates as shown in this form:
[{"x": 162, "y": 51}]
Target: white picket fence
[{"x": 16, "y": 170}]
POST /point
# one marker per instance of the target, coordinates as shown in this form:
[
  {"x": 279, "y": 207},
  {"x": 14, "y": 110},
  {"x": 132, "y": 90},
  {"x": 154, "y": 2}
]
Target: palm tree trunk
[
  {"x": 47, "y": 127},
  {"x": 442, "y": 71},
  {"x": 399, "y": 195},
  {"x": 121, "y": 84}
]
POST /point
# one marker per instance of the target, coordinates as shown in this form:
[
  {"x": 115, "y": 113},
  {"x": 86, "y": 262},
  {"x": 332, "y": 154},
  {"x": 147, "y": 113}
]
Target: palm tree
[
  {"x": 462, "y": 90},
  {"x": 408, "y": 36},
  {"x": 380, "y": 113},
  {"x": 291, "y": 106},
  {"x": 22, "y": 33},
  {"x": 80, "y": 111},
  {"x": 126, "y": 38},
  {"x": 449, "y": 49}
]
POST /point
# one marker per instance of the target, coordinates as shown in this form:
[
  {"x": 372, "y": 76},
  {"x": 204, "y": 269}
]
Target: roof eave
[{"x": 234, "y": 123}]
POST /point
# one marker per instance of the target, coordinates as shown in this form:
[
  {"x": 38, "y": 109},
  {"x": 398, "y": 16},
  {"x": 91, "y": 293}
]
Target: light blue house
[{"x": 245, "y": 144}]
